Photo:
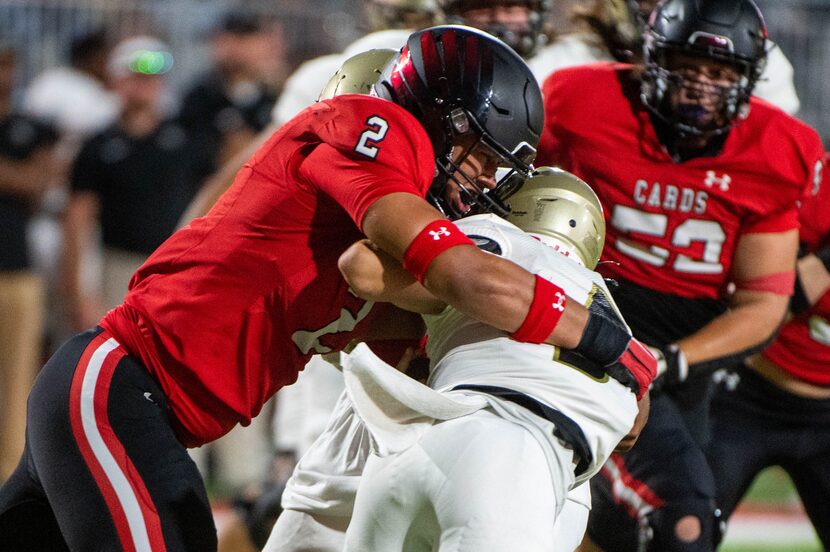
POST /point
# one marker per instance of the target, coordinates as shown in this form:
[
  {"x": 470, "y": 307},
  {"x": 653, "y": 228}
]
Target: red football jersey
[
  {"x": 231, "y": 307},
  {"x": 802, "y": 347},
  {"x": 671, "y": 226}
]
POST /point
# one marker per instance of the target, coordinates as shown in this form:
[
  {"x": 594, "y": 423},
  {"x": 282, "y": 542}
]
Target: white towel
[{"x": 395, "y": 408}]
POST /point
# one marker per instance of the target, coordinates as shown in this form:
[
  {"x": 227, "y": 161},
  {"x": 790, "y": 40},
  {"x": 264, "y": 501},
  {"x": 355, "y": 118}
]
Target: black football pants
[{"x": 102, "y": 469}]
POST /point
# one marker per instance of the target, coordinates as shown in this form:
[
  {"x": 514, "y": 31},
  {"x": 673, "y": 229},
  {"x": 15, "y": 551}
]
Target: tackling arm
[
  {"x": 485, "y": 287},
  {"x": 754, "y": 315},
  {"x": 376, "y": 276}
]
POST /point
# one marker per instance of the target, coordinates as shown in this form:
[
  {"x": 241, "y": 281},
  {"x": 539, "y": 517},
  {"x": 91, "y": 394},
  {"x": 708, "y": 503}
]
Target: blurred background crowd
[{"x": 114, "y": 113}]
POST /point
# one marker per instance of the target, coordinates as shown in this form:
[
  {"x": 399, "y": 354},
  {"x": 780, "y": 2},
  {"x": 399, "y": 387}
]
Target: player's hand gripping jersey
[
  {"x": 673, "y": 227},
  {"x": 464, "y": 351},
  {"x": 234, "y": 304},
  {"x": 803, "y": 344}
]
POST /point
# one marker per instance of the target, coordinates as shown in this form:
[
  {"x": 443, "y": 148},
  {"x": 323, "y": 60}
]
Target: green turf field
[{"x": 773, "y": 491}]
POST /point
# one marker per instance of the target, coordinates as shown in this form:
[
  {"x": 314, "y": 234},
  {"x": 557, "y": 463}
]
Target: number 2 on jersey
[
  {"x": 709, "y": 232},
  {"x": 370, "y": 138}
]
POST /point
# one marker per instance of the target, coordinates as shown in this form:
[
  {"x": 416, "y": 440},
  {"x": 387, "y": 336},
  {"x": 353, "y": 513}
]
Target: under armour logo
[
  {"x": 560, "y": 302},
  {"x": 722, "y": 182},
  {"x": 437, "y": 235},
  {"x": 148, "y": 396}
]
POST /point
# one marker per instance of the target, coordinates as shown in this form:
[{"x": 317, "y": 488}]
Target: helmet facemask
[
  {"x": 674, "y": 91},
  {"x": 727, "y": 40},
  {"x": 510, "y": 169}
]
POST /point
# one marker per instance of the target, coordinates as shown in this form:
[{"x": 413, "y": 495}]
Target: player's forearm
[
  {"x": 496, "y": 292},
  {"x": 750, "y": 322},
  {"x": 643, "y": 407},
  {"x": 375, "y": 275}
]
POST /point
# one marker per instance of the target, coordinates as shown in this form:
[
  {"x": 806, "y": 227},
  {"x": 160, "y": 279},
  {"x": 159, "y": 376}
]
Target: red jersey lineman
[
  {"x": 231, "y": 307},
  {"x": 700, "y": 184},
  {"x": 674, "y": 227}
]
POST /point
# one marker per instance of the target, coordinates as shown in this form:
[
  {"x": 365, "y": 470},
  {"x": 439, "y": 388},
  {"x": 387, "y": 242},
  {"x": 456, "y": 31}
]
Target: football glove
[
  {"x": 636, "y": 368},
  {"x": 608, "y": 342},
  {"x": 672, "y": 367}
]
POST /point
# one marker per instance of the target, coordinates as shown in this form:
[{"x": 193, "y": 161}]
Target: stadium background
[{"x": 771, "y": 519}]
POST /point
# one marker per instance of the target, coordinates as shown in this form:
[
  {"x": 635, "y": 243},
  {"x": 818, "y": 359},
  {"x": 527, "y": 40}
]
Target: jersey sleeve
[
  {"x": 369, "y": 150},
  {"x": 779, "y": 221}
]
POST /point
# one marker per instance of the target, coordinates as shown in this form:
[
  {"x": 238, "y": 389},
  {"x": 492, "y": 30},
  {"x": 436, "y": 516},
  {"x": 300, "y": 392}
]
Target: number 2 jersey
[
  {"x": 802, "y": 347},
  {"x": 231, "y": 307},
  {"x": 672, "y": 227}
]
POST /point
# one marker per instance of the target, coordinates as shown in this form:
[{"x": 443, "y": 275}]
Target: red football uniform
[
  {"x": 232, "y": 306},
  {"x": 673, "y": 226},
  {"x": 802, "y": 347}
]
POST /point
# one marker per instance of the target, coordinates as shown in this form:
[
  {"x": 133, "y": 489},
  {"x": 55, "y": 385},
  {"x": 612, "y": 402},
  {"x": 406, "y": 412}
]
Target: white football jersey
[{"x": 466, "y": 351}]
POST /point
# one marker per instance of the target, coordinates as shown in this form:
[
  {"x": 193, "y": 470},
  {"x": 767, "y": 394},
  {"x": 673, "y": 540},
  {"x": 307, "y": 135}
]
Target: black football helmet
[
  {"x": 462, "y": 83},
  {"x": 732, "y": 31},
  {"x": 525, "y": 41}
]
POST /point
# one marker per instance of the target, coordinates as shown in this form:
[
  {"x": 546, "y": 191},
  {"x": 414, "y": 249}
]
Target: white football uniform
[
  {"x": 493, "y": 478},
  {"x": 409, "y": 423}
]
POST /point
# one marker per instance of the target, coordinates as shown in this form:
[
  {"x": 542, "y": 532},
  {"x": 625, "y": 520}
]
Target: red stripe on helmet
[{"x": 449, "y": 44}]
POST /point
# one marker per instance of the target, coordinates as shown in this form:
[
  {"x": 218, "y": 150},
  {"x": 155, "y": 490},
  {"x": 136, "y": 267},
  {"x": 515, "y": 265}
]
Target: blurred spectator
[
  {"x": 609, "y": 30},
  {"x": 26, "y": 168},
  {"x": 75, "y": 99},
  {"x": 233, "y": 100},
  {"x": 134, "y": 178}
]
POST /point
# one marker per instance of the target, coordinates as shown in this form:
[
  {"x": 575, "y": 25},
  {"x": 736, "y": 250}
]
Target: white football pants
[{"x": 477, "y": 483}]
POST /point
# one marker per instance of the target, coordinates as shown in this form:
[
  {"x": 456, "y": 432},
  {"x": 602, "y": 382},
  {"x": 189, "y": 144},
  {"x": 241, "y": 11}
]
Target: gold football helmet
[
  {"x": 358, "y": 73},
  {"x": 555, "y": 205}
]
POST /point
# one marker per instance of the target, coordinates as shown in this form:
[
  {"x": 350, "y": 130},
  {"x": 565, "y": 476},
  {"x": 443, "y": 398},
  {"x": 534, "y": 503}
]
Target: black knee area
[{"x": 663, "y": 527}]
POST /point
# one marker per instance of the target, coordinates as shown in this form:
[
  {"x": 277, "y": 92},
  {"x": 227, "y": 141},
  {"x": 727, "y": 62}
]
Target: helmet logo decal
[
  {"x": 700, "y": 38},
  {"x": 721, "y": 182}
]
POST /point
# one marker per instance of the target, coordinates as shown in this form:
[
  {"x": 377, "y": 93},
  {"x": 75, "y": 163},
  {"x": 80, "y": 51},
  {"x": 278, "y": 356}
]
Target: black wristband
[{"x": 603, "y": 340}]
